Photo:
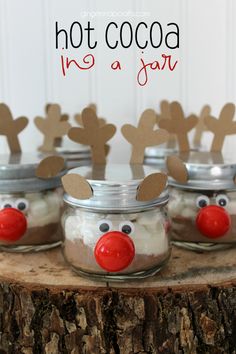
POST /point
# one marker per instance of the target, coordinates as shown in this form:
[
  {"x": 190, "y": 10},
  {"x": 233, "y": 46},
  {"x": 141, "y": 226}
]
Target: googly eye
[
  {"x": 22, "y": 204},
  {"x": 222, "y": 200},
  {"x": 202, "y": 201},
  {"x": 104, "y": 225},
  {"x": 127, "y": 227},
  {"x": 8, "y": 203}
]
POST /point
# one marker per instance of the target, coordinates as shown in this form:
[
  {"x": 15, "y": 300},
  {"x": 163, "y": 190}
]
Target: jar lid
[
  {"x": 208, "y": 171},
  {"x": 73, "y": 153},
  {"x": 17, "y": 174},
  {"x": 115, "y": 188},
  {"x": 159, "y": 152}
]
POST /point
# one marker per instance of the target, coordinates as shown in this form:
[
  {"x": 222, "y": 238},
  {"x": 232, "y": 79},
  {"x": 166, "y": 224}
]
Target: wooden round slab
[{"x": 190, "y": 307}]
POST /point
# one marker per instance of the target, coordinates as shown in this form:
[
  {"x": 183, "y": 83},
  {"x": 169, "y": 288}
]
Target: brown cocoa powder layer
[
  {"x": 39, "y": 235},
  {"x": 82, "y": 257},
  {"x": 184, "y": 229}
]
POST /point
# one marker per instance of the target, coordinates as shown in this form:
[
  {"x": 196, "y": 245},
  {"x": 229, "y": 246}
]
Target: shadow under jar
[
  {"x": 30, "y": 208},
  {"x": 112, "y": 236},
  {"x": 203, "y": 210}
]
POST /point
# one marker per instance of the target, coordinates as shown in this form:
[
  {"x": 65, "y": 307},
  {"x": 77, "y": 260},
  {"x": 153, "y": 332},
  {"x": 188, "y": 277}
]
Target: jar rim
[
  {"x": 115, "y": 187},
  {"x": 113, "y": 209}
]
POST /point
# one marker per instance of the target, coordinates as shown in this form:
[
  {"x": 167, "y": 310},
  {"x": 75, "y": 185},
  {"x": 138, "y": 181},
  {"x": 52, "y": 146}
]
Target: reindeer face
[
  {"x": 21, "y": 212},
  {"x": 200, "y": 214},
  {"x": 29, "y": 208},
  {"x": 112, "y": 241},
  {"x": 12, "y": 218},
  {"x": 115, "y": 242},
  {"x": 210, "y": 214}
]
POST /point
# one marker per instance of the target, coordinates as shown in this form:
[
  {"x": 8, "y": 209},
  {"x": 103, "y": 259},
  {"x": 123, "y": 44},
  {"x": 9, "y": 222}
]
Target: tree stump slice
[{"x": 189, "y": 307}]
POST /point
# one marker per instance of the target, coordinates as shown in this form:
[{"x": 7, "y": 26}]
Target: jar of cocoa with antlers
[
  {"x": 30, "y": 208},
  {"x": 202, "y": 203},
  {"x": 115, "y": 221}
]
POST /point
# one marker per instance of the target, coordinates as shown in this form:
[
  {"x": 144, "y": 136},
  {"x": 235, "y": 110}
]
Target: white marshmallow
[
  {"x": 39, "y": 208},
  {"x": 189, "y": 213},
  {"x": 72, "y": 227}
]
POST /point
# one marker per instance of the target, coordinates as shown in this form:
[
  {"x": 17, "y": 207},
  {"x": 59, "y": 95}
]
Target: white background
[{"x": 30, "y": 72}]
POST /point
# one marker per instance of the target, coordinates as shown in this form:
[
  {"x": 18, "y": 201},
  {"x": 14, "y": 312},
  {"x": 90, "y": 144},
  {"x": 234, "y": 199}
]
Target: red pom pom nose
[
  {"x": 114, "y": 251},
  {"x": 13, "y": 224},
  {"x": 213, "y": 221}
]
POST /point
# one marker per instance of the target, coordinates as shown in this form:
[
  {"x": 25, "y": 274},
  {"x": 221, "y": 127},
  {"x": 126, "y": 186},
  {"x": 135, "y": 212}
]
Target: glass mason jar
[
  {"x": 112, "y": 236},
  {"x": 203, "y": 210},
  {"x": 30, "y": 208}
]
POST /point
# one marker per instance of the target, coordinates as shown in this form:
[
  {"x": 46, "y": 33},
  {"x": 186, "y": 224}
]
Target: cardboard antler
[
  {"x": 222, "y": 126},
  {"x": 179, "y": 125},
  {"x": 52, "y": 127},
  {"x": 143, "y": 135},
  {"x": 93, "y": 135},
  {"x": 101, "y": 121},
  {"x": 64, "y": 118},
  {"x": 78, "y": 117},
  {"x": 11, "y": 128},
  {"x": 201, "y": 127},
  {"x": 166, "y": 114}
]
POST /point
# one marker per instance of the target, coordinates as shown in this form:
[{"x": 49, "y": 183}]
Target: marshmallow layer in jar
[
  {"x": 203, "y": 211},
  {"x": 112, "y": 236},
  {"x": 30, "y": 208}
]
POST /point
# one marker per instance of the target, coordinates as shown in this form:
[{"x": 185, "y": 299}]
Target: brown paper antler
[
  {"x": 93, "y": 135},
  {"x": 11, "y": 127},
  {"x": 78, "y": 117},
  {"x": 222, "y": 126},
  {"x": 143, "y": 135},
  {"x": 64, "y": 118},
  {"x": 166, "y": 114},
  {"x": 51, "y": 127},
  {"x": 101, "y": 121},
  {"x": 179, "y": 125},
  {"x": 201, "y": 127}
]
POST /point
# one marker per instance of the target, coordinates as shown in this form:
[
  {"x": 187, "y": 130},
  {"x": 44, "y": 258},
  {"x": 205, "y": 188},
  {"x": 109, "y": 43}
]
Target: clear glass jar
[
  {"x": 112, "y": 236},
  {"x": 30, "y": 208},
  {"x": 203, "y": 210}
]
